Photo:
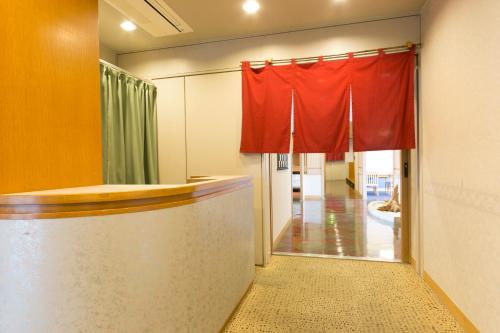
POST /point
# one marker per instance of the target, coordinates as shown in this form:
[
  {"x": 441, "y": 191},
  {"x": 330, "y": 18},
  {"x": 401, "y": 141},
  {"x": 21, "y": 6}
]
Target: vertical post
[
  {"x": 267, "y": 223},
  {"x": 405, "y": 205}
]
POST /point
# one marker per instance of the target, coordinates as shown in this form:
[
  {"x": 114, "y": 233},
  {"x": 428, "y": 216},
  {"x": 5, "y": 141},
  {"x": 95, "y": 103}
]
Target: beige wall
[
  {"x": 213, "y": 102},
  {"x": 281, "y": 195},
  {"x": 171, "y": 131},
  {"x": 461, "y": 148},
  {"x": 352, "y": 37},
  {"x": 107, "y": 54},
  {"x": 213, "y": 131},
  {"x": 336, "y": 170}
]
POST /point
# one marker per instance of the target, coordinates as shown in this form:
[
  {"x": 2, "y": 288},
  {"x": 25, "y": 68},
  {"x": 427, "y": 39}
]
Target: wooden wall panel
[{"x": 50, "y": 128}]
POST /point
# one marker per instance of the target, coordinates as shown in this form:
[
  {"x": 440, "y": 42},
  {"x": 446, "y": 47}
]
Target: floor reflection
[{"x": 340, "y": 225}]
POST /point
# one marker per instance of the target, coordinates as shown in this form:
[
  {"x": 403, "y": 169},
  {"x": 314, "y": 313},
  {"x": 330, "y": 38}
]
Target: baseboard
[
  {"x": 460, "y": 317},
  {"x": 282, "y": 232}
]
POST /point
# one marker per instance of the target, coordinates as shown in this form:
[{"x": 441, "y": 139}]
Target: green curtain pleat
[{"x": 129, "y": 127}]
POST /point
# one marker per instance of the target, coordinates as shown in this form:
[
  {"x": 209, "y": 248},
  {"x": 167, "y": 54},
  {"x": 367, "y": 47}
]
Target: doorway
[{"x": 335, "y": 208}]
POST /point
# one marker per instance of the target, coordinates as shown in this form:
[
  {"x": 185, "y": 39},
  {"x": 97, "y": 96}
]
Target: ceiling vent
[{"x": 154, "y": 16}]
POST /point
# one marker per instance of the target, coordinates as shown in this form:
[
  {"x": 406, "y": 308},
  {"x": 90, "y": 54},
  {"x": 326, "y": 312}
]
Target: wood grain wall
[{"x": 50, "y": 128}]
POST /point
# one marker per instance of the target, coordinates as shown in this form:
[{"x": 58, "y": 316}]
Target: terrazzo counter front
[{"x": 126, "y": 258}]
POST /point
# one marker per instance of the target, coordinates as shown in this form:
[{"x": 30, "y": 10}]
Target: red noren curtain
[
  {"x": 382, "y": 105},
  {"x": 335, "y": 156},
  {"x": 382, "y": 101},
  {"x": 321, "y": 106},
  {"x": 267, "y": 103}
]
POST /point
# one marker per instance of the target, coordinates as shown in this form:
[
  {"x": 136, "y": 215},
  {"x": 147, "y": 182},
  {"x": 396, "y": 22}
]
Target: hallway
[
  {"x": 296, "y": 294},
  {"x": 340, "y": 225}
]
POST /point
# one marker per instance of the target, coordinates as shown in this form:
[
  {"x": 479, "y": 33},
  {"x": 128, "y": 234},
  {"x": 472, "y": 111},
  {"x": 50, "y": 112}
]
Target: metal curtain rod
[
  {"x": 124, "y": 71},
  {"x": 392, "y": 49}
]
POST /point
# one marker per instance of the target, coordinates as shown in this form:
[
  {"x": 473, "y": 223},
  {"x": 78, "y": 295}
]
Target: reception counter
[{"x": 126, "y": 258}]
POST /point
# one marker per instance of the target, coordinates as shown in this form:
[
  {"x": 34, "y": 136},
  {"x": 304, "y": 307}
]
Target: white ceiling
[{"x": 224, "y": 19}]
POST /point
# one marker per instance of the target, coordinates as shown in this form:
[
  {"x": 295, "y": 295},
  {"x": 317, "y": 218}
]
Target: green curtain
[{"x": 129, "y": 127}]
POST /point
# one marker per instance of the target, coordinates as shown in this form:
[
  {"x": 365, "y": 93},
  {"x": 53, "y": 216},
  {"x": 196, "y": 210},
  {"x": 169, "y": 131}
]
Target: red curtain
[
  {"x": 321, "y": 107},
  {"x": 267, "y": 108},
  {"x": 379, "y": 87},
  {"x": 382, "y": 101},
  {"x": 335, "y": 156}
]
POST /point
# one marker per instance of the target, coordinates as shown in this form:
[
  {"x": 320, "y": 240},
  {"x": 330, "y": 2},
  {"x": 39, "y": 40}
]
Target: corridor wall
[
  {"x": 213, "y": 102},
  {"x": 281, "y": 196},
  {"x": 336, "y": 170},
  {"x": 461, "y": 148}
]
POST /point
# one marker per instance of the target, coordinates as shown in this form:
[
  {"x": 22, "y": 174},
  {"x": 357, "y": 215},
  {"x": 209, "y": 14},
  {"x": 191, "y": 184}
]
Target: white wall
[
  {"x": 380, "y": 162},
  {"x": 312, "y": 186},
  {"x": 212, "y": 139},
  {"x": 281, "y": 195},
  {"x": 461, "y": 148}
]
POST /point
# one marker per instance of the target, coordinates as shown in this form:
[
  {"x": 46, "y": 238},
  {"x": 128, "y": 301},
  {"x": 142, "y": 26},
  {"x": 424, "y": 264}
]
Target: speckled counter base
[{"x": 295, "y": 294}]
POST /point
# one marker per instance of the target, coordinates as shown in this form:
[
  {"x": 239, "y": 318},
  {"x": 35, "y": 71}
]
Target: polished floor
[
  {"x": 297, "y": 294},
  {"x": 340, "y": 225}
]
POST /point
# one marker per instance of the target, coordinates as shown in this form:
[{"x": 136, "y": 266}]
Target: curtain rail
[
  {"x": 392, "y": 49},
  {"x": 104, "y": 62}
]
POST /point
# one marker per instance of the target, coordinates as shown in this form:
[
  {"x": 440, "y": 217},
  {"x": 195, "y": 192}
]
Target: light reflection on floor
[{"x": 340, "y": 225}]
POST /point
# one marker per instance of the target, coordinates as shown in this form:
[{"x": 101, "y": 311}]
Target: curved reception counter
[{"x": 126, "y": 258}]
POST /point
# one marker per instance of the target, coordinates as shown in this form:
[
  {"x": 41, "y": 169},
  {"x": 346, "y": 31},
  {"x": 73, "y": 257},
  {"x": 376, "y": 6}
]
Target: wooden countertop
[{"x": 114, "y": 199}]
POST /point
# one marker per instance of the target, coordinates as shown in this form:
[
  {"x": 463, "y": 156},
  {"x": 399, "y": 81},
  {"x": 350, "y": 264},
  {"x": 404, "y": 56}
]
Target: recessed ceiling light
[
  {"x": 128, "y": 26},
  {"x": 251, "y": 6}
]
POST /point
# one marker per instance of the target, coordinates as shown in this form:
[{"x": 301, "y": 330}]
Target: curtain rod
[
  {"x": 394, "y": 49},
  {"x": 104, "y": 62}
]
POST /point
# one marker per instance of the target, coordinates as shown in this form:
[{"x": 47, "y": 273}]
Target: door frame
[{"x": 405, "y": 180}]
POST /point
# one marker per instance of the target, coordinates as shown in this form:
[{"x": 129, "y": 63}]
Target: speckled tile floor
[
  {"x": 340, "y": 225},
  {"x": 296, "y": 294}
]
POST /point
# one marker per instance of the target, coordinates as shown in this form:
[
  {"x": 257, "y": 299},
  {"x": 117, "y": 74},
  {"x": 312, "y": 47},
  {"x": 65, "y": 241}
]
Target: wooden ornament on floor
[{"x": 392, "y": 205}]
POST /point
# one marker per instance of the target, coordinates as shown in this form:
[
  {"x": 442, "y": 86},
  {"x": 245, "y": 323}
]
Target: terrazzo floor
[
  {"x": 340, "y": 225},
  {"x": 297, "y": 294}
]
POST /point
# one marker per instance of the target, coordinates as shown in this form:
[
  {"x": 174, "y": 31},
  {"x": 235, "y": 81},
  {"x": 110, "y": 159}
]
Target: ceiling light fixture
[
  {"x": 128, "y": 26},
  {"x": 251, "y": 6}
]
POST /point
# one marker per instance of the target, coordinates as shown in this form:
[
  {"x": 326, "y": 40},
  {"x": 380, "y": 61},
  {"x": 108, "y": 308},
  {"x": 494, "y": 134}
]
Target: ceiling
[{"x": 225, "y": 19}]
